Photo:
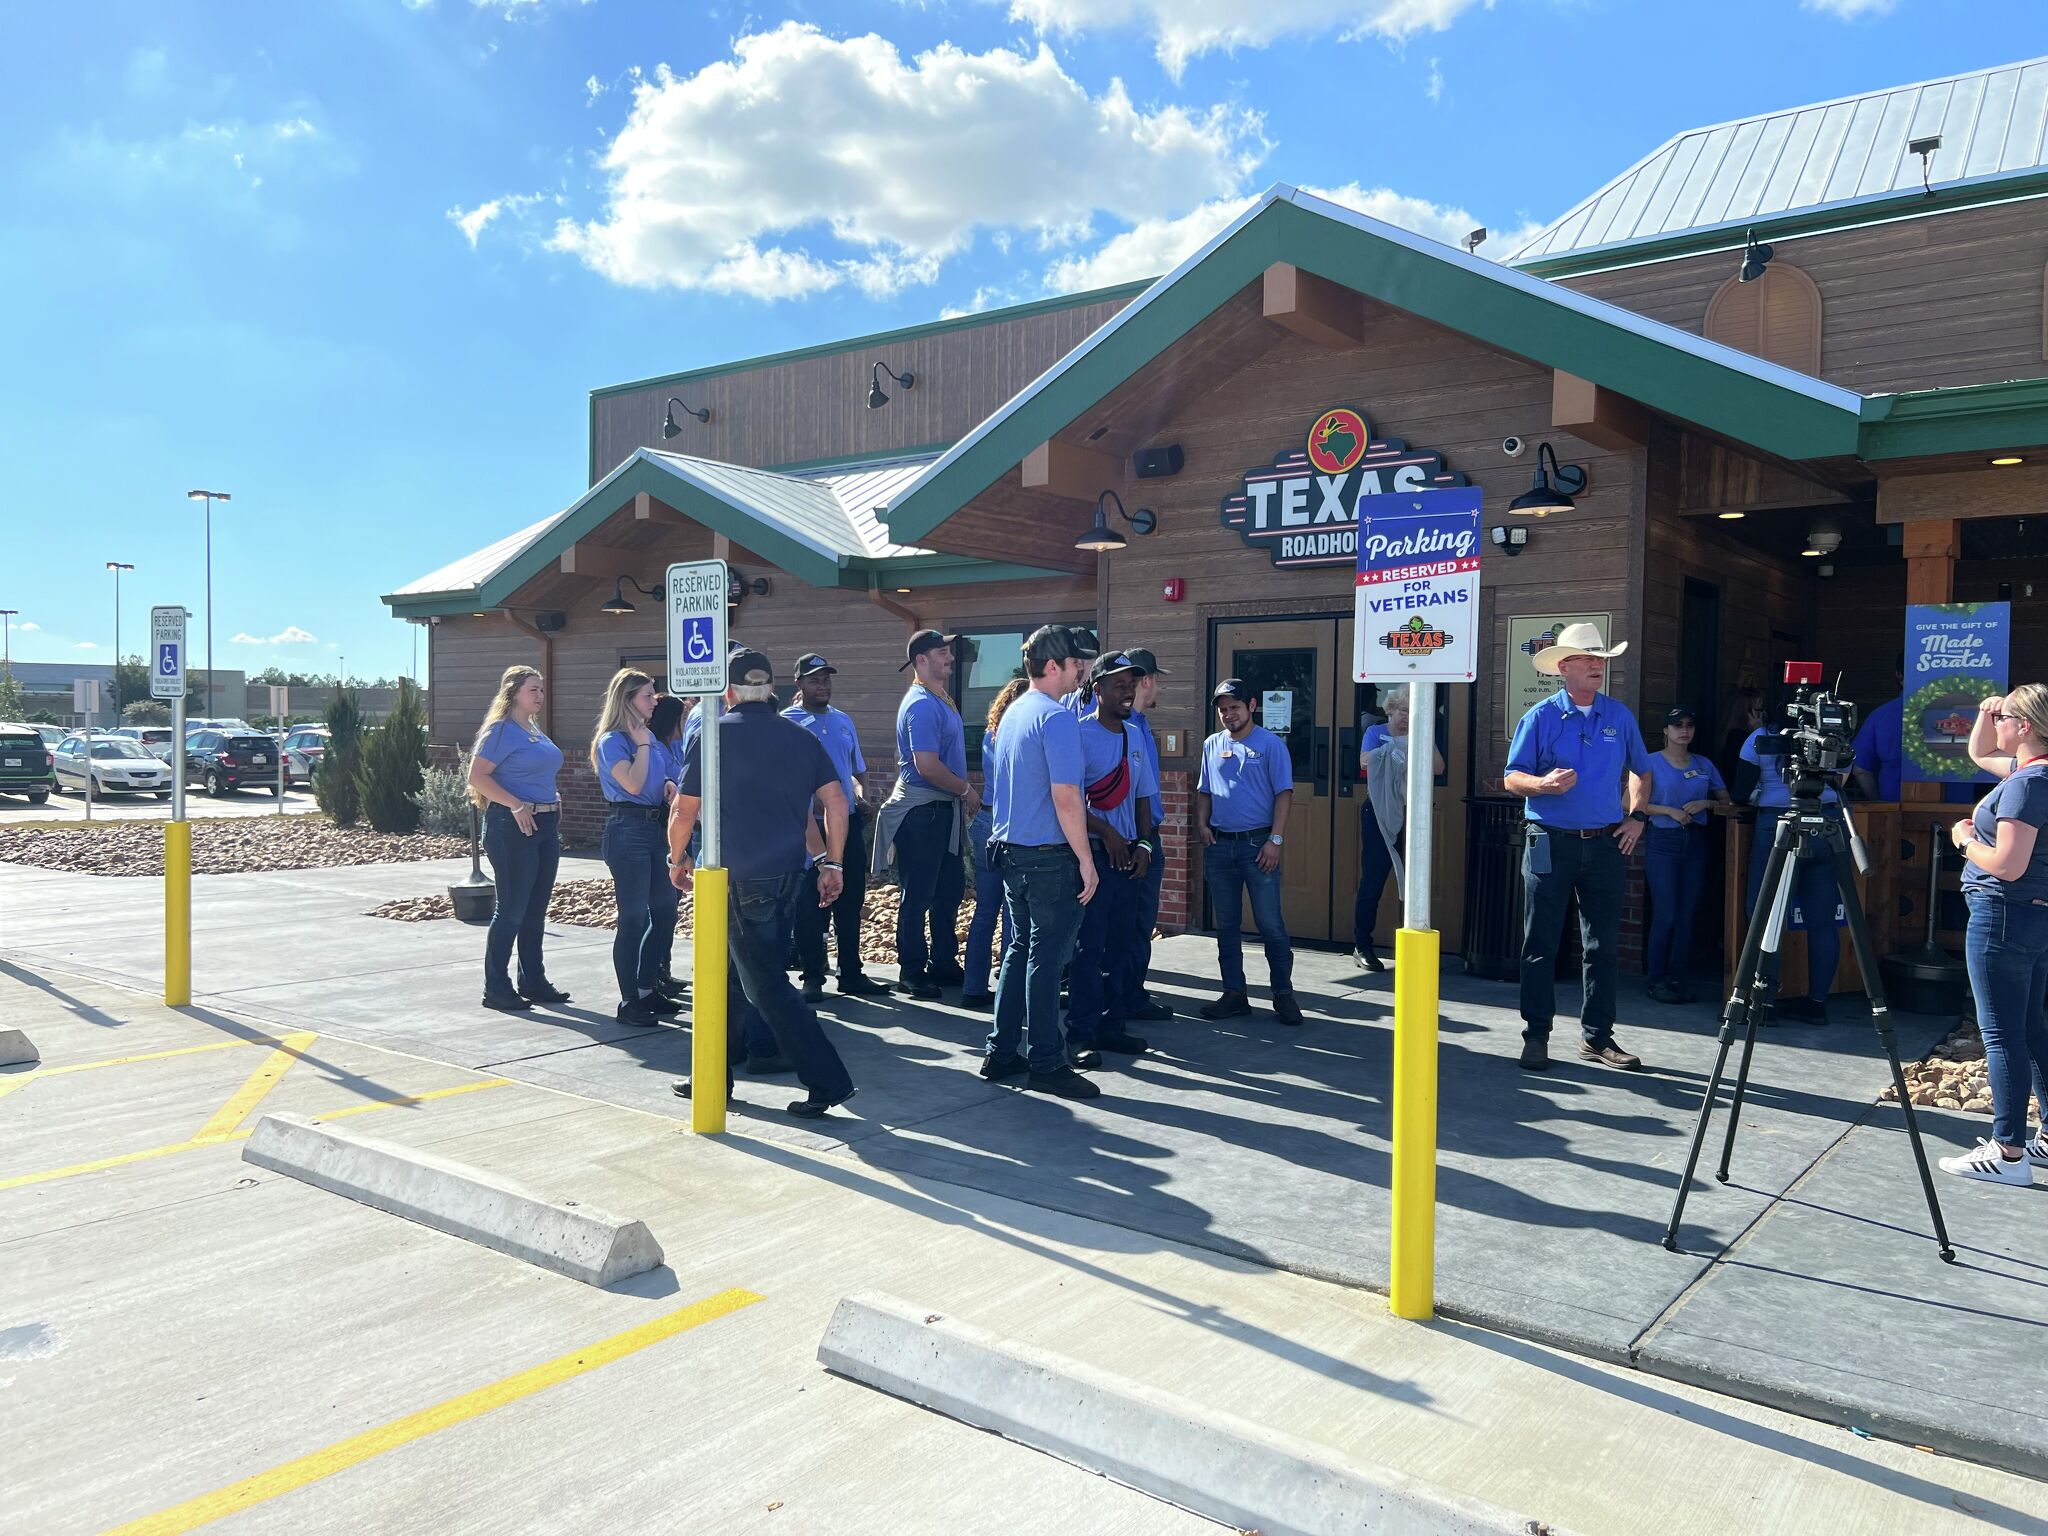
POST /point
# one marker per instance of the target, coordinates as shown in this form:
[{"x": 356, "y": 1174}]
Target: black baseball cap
[
  {"x": 1056, "y": 642},
  {"x": 1111, "y": 665},
  {"x": 924, "y": 640},
  {"x": 1145, "y": 661},
  {"x": 1678, "y": 712},
  {"x": 806, "y": 665},
  {"x": 1234, "y": 688},
  {"x": 748, "y": 667}
]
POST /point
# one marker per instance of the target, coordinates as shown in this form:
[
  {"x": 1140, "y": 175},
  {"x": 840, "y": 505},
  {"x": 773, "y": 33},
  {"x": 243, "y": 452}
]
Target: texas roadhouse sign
[{"x": 1303, "y": 507}]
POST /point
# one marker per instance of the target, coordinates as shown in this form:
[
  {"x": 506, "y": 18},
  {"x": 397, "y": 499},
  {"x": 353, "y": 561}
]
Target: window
[
  {"x": 1776, "y": 318},
  {"x": 984, "y": 660}
]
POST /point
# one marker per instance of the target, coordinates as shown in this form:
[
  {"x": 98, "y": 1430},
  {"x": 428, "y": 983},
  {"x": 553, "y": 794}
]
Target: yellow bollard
[
  {"x": 1411, "y": 1287},
  {"x": 707, "y": 1001},
  {"x": 177, "y": 913}
]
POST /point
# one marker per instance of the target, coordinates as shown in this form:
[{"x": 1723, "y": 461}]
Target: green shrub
[
  {"x": 334, "y": 786},
  {"x": 443, "y": 801},
  {"x": 146, "y": 712},
  {"x": 392, "y": 764}
]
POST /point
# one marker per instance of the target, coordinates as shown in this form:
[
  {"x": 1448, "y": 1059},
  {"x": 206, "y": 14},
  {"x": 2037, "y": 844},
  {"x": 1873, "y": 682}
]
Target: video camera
[{"x": 1819, "y": 738}]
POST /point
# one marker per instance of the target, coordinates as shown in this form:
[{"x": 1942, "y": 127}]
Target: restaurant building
[{"x": 1800, "y": 361}]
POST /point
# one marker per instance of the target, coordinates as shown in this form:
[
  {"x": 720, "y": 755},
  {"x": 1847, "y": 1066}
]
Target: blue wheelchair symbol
[
  {"x": 697, "y": 639},
  {"x": 167, "y": 660}
]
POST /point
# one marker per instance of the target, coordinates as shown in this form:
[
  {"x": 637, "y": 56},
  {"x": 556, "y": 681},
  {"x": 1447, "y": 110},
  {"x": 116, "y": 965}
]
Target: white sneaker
[
  {"x": 1986, "y": 1162},
  {"x": 2037, "y": 1150}
]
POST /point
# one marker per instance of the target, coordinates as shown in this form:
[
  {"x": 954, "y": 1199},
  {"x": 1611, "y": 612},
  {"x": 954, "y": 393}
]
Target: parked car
[
  {"x": 230, "y": 760},
  {"x": 51, "y": 734},
  {"x": 117, "y": 765},
  {"x": 25, "y": 764},
  {"x": 157, "y": 740},
  {"x": 304, "y": 746}
]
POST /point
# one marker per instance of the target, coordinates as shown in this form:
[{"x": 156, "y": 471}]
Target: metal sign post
[
  {"x": 1416, "y": 623},
  {"x": 167, "y": 681},
  {"x": 85, "y": 700},
  {"x": 696, "y": 609},
  {"x": 280, "y": 706}
]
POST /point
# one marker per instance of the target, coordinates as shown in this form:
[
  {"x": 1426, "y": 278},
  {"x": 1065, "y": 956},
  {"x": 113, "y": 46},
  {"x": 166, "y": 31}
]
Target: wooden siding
[
  {"x": 465, "y": 659},
  {"x": 816, "y": 407},
  {"x": 1777, "y": 317},
  {"x": 1917, "y": 304}
]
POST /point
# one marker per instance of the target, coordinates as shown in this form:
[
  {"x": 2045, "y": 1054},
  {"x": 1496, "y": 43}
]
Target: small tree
[
  {"x": 443, "y": 800},
  {"x": 393, "y": 760},
  {"x": 334, "y": 786},
  {"x": 146, "y": 712},
  {"x": 131, "y": 682},
  {"x": 10, "y": 696}
]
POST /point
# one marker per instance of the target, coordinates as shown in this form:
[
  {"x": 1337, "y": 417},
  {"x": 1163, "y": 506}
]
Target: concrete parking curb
[
  {"x": 15, "y": 1049},
  {"x": 579, "y": 1241},
  {"x": 1200, "y": 1458}
]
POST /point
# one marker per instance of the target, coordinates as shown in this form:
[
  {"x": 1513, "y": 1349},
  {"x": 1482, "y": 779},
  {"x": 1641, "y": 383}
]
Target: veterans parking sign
[{"x": 1417, "y": 595}]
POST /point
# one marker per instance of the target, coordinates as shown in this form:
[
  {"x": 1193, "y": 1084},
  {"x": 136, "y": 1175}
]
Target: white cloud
[
  {"x": 1183, "y": 29},
  {"x": 28, "y": 626},
  {"x": 86, "y": 645},
  {"x": 231, "y": 154},
  {"x": 594, "y": 87},
  {"x": 291, "y": 634},
  {"x": 292, "y": 128},
  {"x": 1155, "y": 246},
  {"x": 1850, "y": 10},
  {"x": 472, "y": 222},
  {"x": 1433, "y": 87},
  {"x": 806, "y": 162}
]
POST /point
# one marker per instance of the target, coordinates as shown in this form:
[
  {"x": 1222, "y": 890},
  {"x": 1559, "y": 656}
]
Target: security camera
[{"x": 1514, "y": 447}]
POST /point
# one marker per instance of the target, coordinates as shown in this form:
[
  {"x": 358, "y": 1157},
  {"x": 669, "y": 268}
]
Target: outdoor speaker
[
  {"x": 548, "y": 623},
  {"x": 1158, "y": 463}
]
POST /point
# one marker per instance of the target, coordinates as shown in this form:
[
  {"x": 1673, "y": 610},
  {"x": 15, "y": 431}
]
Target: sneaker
[
  {"x": 1986, "y": 1162},
  {"x": 1063, "y": 1084},
  {"x": 810, "y": 1107},
  {"x": 506, "y": 1002},
  {"x": 858, "y": 985},
  {"x": 1229, "y": 1006},
  {"x": 979, "y": 1002},
  {"x": 1805, "y": 1010},
  {"x": 637, "y": 1013},
  {"x": 770, "y": 1066},
  {"x": 661, "y": 1007},
  {"x": 1286, "y": 1009},
  {"x": 2037, "y": 1150},
  {"x": 1122, "y": 1041},
  {"x": 1611, "y": 1055},
  {"x": 675, "y": 990},
  {"x": 814, "y": 991},
  {"x": 1535, "y": 1056},
  {"x": 546, "y": 992},
  {"x": 681, "y": 1088},
  {"x": 997, "y": 1068}
]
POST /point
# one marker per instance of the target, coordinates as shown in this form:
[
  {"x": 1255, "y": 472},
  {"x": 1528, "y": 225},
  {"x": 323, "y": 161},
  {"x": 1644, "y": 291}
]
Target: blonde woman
[
  {"x": 631, "y": 770},
  {"x": 512, "y": 770}
]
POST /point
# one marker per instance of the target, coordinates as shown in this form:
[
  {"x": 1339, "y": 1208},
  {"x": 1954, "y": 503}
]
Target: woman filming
[
  {"x": 1375, "y": 853},
  {"x": 512, "y": 771},
  {"x": 1684, "y": 792},
  {"x": 2005, "y": 882},
  {"x": 632, "y": 770}
]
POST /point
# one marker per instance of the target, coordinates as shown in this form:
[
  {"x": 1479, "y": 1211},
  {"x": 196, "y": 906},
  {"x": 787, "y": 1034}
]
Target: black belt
[
  {"x": 1246, "y": 837},
  {"x": 649, "y": 812},
  {"x": 1030, "y": 847},
  {"x": 1582, "y": 832}
]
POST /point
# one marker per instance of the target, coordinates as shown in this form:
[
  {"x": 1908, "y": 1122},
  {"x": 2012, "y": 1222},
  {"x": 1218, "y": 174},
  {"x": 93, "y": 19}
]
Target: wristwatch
[
  {"x": 827, "y": 864},
  {"x": 1642, "y": 816},
  {"x": 1276, "y": 840}
]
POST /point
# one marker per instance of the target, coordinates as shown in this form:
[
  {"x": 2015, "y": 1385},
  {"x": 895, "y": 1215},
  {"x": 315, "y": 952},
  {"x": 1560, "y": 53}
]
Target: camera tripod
[{"x": 1805, "y": 829}]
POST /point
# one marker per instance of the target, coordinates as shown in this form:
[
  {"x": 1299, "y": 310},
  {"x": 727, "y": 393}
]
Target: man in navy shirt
[
  {"x": 834, "y": 728},
  {"x": 769, "y": 772},
  {"x": 923, "y": 822},
  {"x": 1241, "y": 807},
  {"x": 1117, "y": 781},
  {"x": 1568, "y": 759},
  {"x": 1039, "y": 841}
]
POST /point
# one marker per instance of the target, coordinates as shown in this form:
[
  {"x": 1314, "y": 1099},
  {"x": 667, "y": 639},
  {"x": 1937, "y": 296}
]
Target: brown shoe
[{"x": 1612, "y": 1055}]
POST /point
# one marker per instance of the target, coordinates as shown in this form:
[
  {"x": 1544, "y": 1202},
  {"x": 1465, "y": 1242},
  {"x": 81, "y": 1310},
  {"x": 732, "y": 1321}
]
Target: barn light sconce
[
  {"x": 739, "y": 588},
  {"x": 877, "y": 396},
  {"x": 668, "y": 420},
  {"x": 1511, "y": 541},
  {"x": 1102, "y": 539},
  {"x": 1755, "y": 258},
  {"x": 620, "y": 604},
  {"x": 1553, "y": 488},
  {"x": 1925, "y": 149}
]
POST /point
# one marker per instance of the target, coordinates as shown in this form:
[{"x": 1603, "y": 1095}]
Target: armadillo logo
[{"x": 1418, "y": 637}]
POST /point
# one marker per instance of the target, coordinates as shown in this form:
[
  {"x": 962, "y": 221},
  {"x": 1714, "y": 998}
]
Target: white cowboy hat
[{"x": 1574, "y": 640}]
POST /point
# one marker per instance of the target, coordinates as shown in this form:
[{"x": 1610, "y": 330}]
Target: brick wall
[
  {"x": 583, "y": 808},
  {"x": 1177, "y": 905}
]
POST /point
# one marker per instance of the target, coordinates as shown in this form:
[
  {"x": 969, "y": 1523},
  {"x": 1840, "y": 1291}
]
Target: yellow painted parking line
[
  {"x": 250, "y": 1094},
  {"x": 100, "y": 1164},
  {"x": 357, "y": 1449},
  {"x": 22, "y": 1080}
]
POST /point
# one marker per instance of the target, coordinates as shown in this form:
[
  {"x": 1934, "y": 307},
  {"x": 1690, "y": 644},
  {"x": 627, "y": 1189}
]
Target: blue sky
[{"x": 358, "y": 263}]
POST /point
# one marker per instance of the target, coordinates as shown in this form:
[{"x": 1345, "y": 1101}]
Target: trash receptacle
[{"x": 1493, "y": 887}]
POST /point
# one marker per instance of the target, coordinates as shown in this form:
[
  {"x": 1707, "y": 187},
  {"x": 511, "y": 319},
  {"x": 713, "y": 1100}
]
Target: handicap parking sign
[
  {"x": 167, "y": 661},
  {"x": 697, "y": 597},
  {"x": 697, "y": 636}
]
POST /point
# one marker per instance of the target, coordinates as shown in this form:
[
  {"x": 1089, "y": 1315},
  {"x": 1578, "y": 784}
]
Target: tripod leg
[
  {"x": 1735, "y": 1013},
  {"x": 1775, "y": 901},
  {"x": 1881, "y": 1019}
]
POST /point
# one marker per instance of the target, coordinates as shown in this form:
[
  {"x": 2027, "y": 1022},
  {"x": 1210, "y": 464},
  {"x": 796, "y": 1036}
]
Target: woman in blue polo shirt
[
  {"x": 632, "y": 770},
  {"x": 1685, "y": 791},
  {"x": 512, "y": 769},
  {"x": 2005, "y": 881}
]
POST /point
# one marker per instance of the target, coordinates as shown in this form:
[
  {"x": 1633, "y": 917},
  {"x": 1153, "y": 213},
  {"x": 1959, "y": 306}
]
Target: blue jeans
[
  {"x": 636, "y": 852},
  {"x": 934, "y": 878},
  {"x": 1105, "y": 954},
  {"x": 1375, "y": 863},
  {"x": 989, "y": 904},
  {"x": 760, "y": 916},
  {"x": 1554, "y": 866},
  {"x": 1230, "y": 868},
  {"x": 2006, "y": 949},
  {"x": 1675, "y": 867},
  {"x": 1042, "y": 895},
  {"x": 1135, "y": 996},
  {"x": 1813, "y": 891},
  {"x": 524, "y": 869}
]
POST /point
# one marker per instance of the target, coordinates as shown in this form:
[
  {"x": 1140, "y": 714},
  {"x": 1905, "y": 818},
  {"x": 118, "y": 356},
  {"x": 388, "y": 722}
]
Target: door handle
[
  {"x": 1347, "y": 754},
  {"x": 1322, "y": 759}
]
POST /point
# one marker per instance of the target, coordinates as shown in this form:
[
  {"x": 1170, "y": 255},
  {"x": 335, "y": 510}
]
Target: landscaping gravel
[{"x": 135, "y": 849}]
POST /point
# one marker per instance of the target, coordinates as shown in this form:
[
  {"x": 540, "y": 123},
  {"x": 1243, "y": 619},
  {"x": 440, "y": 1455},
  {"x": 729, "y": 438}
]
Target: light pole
[
  {"x": 209, "y": 497},
  {"x": 7, "y": 638},
  {"x": 117, "y": 567}
]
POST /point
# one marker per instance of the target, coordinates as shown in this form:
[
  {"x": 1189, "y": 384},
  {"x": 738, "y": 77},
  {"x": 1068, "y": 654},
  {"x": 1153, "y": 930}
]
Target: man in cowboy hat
[{"x": 1568, "y": 759}]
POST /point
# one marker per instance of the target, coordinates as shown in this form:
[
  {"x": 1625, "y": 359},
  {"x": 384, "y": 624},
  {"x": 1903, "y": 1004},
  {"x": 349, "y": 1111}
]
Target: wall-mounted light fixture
[
  {"x": 1102, "y": 538},
  {"x": 668, "y": 420},
  {"x": 1755, "y": 258},
  {"x": 877, "y": 396},
  {"x": 738, "y": 588},
  {"x": 619, "y": 603},
  {"x": 1511, "y": 541},
  {"x": 1553, "y": 488},
  {"x": 1925, "y": 149}
]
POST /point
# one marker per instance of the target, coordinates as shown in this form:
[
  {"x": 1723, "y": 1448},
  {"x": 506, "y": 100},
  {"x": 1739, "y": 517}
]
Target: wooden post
[{"x": 1932, "y": 546}]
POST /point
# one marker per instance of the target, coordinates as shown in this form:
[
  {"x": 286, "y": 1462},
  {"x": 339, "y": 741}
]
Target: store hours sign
[{"x": 1303, "y": 507}]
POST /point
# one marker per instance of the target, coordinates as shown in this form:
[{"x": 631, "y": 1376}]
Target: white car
[
  {"x": 154, "y": 739},
  {"x": 118, "y": 766}
]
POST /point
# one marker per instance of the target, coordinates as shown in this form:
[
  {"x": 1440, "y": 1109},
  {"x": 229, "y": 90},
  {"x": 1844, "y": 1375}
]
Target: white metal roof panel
[{"x": 472, "y": 571}]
